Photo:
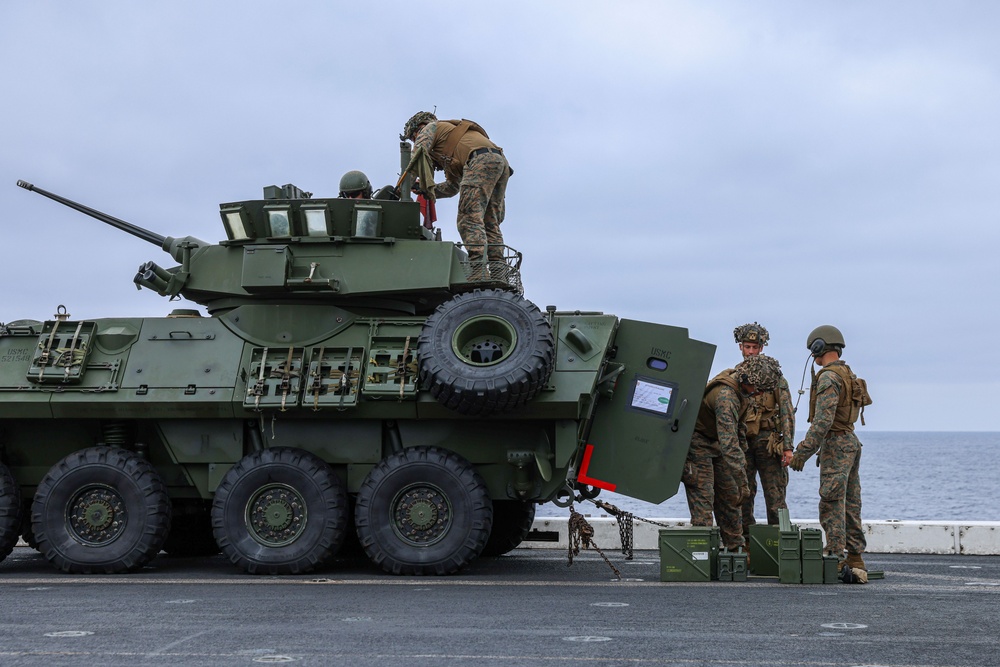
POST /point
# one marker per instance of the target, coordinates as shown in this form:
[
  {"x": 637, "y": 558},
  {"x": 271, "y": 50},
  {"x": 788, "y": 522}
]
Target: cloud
[{"x": 696, "y": 164}]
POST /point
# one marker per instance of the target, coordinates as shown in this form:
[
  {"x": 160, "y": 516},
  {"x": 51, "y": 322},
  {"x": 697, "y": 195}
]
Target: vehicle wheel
[
  {"x": 191, "y": 534},
  {"x": 101, "y": 510},
  {"x": 484, "y": 352},
  {"x": 423, "y": 511},
  {"x": 512, "y": 520},
  {"x": 280, "y": 511},
  {"x": 10, "y": 512}
]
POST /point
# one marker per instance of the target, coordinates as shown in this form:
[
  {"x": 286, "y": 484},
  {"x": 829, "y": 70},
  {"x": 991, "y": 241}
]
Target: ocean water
[{"x": 910, "y": 476}]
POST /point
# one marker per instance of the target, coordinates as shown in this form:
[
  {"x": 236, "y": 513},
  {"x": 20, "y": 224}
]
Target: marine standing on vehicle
[
  {"x": 770, "y": 432},
  {"x": 836, "y": 401},
  {"x": 475, "y": 168},
  {"x": 715, "y": 477}
]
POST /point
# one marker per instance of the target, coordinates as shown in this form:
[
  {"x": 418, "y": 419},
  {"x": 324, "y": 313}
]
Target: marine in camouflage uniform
[
  {"x": 475, "y": 168},
  {"x": 770, "y": 427},
  {"x": 831, "y": 432},
  {"x": 715, "y": 472}
]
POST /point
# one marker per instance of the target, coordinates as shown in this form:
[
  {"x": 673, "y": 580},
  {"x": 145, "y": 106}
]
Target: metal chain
[
  {"x": 625, "y": 524},
  {"x": 581, "y": 533},
  {"x": 625, "y": 533}
]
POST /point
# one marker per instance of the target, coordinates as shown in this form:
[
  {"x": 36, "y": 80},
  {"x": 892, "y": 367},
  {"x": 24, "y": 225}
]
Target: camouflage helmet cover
[
  {"x": 751, "y": 333},
  {"x": 355, "y": 181},
  {"x": 415, "y": 121},
  {"x": 761, "y": 371}
]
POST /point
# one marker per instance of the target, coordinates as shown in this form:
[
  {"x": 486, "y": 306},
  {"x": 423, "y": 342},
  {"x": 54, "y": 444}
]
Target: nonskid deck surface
[{"x": 526, "y": 608}]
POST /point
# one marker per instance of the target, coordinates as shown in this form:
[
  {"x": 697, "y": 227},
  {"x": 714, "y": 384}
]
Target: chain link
[
  {"x": 626, "y": 522},
  {"x": 581, "y": 534}
]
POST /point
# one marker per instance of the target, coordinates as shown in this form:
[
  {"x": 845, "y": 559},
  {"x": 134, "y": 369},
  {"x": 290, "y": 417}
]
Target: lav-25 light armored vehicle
[{"x": 354, "y": 375}]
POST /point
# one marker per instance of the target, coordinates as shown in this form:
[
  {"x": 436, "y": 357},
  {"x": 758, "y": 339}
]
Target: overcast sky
[{"x": 691, "y": 163}]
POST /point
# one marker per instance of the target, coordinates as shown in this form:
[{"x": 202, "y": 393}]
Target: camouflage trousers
[
  {"x": 840, "y": 494},
  {"x": 481, "y": 205},
  {"x": 710, "y": 487},
  {"x": 773, "y": 480}
]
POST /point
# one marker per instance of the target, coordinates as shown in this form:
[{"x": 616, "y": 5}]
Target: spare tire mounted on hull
[{"x": 485, "y": 352}]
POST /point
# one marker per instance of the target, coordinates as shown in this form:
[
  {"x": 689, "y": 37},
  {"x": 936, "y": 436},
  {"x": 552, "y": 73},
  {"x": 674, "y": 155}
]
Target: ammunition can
[
  {"x": 686, "y": 554},
  {"x": 830, "y": 573},
  {"x": 812, "y": 556},
  {"x": 763, "y": 546},
  {"x": 790, "y": 558},
  {"x": 725, "y": 565},
  {"x": 740, "y": 566}
]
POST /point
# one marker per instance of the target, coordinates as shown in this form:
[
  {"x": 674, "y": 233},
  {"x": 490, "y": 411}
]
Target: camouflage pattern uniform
[
  {"x": 770, "y": 431},
  {"x": 481, "y": 185},
  {"x": 839, "y": 461},
  {"x": 715, "y": 471}
]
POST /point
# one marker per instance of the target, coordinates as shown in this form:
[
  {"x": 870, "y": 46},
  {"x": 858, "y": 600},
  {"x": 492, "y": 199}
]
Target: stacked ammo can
[
  {"x": 793, "y": 555},
  {"x": 784, "y": 551},
  {"x": 693, "y": 554}
]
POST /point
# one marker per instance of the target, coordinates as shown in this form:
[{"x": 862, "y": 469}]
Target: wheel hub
[
  {"x": 97, "y": 515},
  {"x": 422, "y": 515},
  {"x": 484, "y": 340},
  {"x": 486, "y": 352},
  {"x": 276, "y": 515}
]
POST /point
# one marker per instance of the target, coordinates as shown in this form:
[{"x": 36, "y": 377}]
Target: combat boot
[{"x": 855, "y": 561}]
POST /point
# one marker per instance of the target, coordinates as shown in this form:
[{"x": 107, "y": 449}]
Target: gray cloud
[{"x": 697, "y": 164}]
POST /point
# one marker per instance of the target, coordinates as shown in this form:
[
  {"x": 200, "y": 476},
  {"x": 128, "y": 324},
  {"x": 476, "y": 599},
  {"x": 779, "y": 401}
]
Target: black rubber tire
[
  {"x": 423, "y": 489},
  {"x": 512, "y": 520},
  {"x": 468, "y": 361},
  {"x": 191, "y": 534},
  {"x": 108, "y": 485},
  {"x": 308, "y": 501},
  {"x": 10, "y": 512}
]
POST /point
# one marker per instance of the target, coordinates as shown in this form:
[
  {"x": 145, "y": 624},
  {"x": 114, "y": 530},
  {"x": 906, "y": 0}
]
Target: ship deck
[{"x": 525, "y": 608}]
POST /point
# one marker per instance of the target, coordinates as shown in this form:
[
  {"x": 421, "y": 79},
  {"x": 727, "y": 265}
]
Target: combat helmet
[
  {"x": 760, "y": 370},
  {"x": 415, "y": 121},
  {"x": 354, "y": 182},
  {"x": 825, "y": 338},
  {"x": 751, "y": 333}
]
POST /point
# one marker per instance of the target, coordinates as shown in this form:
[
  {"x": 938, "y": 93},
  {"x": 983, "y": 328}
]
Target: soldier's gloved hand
[{"x": 798, "y": 461}]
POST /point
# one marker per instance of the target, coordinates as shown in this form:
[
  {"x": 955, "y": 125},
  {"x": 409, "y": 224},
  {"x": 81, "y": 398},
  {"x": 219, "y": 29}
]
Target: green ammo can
[
  {"x": 830, "y": 573},
  {"x": 790, "y": 558},
  {"x": 763, "y": 546},
  {"x": 812, "y": 556},
  {"x": 689, "y": 554},
  {"x": 740, "y": 565},
  {"x": 724, "y": 571}
]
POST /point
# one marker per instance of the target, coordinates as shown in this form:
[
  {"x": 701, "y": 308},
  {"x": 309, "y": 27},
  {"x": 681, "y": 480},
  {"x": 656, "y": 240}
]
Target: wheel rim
[
  {"x": 276, "y": 515},
  {"x": 421, "y": 514},
  {"x": 97, "y": 515},
  {"x": 484, "y": 341}
]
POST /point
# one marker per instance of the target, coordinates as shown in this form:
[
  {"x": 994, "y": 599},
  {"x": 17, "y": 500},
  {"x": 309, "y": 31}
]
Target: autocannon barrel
[{"x": 134, "y": 230}]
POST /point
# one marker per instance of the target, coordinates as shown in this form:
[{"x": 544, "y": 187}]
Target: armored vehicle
[{"x": 352, "y": 380}]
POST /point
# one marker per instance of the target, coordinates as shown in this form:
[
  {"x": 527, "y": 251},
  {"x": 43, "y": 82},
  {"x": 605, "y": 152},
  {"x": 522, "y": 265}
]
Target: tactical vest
[
  {"x": 453, "y": 141},
  {"x": 853, "y": 397},
  {"x": 706, "y": 424},
  {"x": 762, "y": 413}
]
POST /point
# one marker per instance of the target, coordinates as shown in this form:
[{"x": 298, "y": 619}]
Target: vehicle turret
[{"x": 372, "y": 255}]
